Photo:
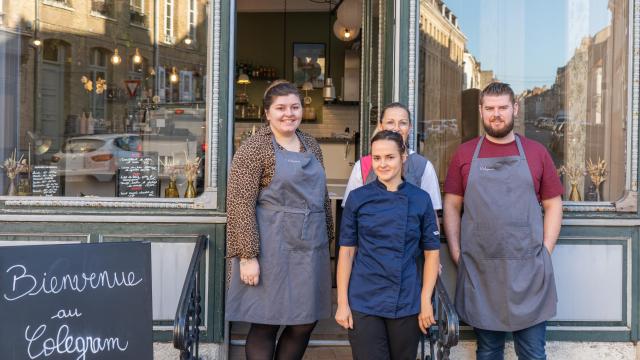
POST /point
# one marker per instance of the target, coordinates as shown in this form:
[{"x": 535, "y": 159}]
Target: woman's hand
[
  {"x": 250, "y": 271},
  {"x": 426, "y": 318},
  {"x": 343, "y": 316}
]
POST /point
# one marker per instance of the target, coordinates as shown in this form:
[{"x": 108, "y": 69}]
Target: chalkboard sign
[
  {"x": 138, "y": 176},
  {"x": 45, "y": 180},
  {"x": 76, "y": 301}
]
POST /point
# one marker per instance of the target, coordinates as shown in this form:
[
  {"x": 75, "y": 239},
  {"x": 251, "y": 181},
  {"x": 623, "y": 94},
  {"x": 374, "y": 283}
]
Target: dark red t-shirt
[{"x": 543, "y": 171}]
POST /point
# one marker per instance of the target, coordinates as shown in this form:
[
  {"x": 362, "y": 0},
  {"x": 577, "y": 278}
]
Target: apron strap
[
  {"x": 276, "y": 147},
  {"x": 518, "y": 143},
  {"x": 520, "y": 148},
  {"x": 477, "y": 151}
]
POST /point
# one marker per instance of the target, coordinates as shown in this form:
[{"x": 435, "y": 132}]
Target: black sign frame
[
  {"x": 124, "y": 172},
  {"x": 41, "y": 188},
  {"x": 69, "y": 301}
]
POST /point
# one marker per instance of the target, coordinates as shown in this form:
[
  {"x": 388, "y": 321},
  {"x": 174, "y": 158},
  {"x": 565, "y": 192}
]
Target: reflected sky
[{"x": 525, "y": 41}]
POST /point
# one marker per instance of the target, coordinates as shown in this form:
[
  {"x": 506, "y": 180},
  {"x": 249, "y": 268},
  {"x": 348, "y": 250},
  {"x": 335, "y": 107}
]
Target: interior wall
[{"x": 261, "y": 40}]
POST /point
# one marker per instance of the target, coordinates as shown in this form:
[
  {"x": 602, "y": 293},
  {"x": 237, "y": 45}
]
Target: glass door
[{"x": 376, "y": 64}]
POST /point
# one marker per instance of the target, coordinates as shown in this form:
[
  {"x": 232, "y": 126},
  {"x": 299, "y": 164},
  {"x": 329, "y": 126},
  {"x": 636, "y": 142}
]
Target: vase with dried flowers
[
  {"x": 12, "y": 167},
  {"x": 171, "y": 169},
  {"x": 87, "y": 122},
  {"x": 573, "y": 173},
  {"x": 598, "y": 174},
  {"x": 191, "y": 169}
]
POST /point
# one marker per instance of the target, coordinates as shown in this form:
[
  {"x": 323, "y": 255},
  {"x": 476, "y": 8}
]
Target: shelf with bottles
[{"x": 257, "y": 72}]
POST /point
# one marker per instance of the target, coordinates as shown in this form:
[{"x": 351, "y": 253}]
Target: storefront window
[
  {"x": 566, "y": 60},
  {"x": 97, "y": 106}
]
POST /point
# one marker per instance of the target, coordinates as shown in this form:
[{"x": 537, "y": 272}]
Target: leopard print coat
[{"x": 252, "y": 169}]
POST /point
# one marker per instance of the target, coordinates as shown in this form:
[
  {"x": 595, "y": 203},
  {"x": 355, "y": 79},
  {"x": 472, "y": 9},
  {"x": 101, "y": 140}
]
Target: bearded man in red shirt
[{"x": 502, "y": 242}]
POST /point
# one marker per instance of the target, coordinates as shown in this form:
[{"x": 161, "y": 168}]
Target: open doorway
[{"x": 305, "y": 42}]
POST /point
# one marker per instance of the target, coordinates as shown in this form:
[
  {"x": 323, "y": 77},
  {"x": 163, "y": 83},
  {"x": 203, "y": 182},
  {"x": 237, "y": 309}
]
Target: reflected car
[
  {"x": 557, "y": 139},
  {"x": 95, "y": 155},
  {"x": 542, "y": 121},
  {"x": 98, "y": 155}
]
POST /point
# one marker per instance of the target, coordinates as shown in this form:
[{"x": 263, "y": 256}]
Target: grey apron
[
  {"x": 295, "y": 271},
  {"x": 505, "y": 277},
  {"x": 412, "y": 170}
]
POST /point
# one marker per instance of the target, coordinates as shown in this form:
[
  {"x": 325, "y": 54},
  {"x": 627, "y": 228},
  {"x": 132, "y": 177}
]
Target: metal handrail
[
  {"x": 445, "y": 333},
  {"x": 186, "y": 332}
]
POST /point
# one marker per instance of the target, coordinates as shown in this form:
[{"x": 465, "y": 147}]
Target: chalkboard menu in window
[
  {"x": 76, "y": 301},
  {"x": 138, "y": 175},
  {"x": 45, "y": 180}
]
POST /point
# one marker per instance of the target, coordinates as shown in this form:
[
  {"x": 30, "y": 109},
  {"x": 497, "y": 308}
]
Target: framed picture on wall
[{"x": 309, "y": 64}]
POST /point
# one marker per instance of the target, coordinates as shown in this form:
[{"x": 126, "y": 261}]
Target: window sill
[
  {"x": 139, "y": 26},
  {"x": 101, "y": 16},
  {"x": 58, "y": 4},
  {"x": 208, "y": 218},
  {"x": 588, "y": 206},
  {"x": 206, "y": 200},
  {"x": 627, "y": 204}
]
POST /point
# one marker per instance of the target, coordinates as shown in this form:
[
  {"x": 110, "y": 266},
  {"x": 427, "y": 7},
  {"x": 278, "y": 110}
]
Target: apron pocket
[
  {"x": 290, "y": 229},
  {"x": 304, "y": 232},
  {"x": 508, "y": 242}
]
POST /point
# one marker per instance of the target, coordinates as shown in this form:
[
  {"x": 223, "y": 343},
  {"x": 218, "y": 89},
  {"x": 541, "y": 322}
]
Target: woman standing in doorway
[
  {"x": 279, "y": 224},
  {"x": 417, "y": 169},
  {"x": 382, "y": 300}
]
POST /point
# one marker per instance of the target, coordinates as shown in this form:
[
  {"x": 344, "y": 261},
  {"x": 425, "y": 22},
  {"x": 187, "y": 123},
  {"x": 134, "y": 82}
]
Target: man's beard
[{"x": 499, "y": 134}]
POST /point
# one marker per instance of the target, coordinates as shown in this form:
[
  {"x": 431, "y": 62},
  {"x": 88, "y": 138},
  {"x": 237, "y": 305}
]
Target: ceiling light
[
  {"x": 345, "y": 33},
  {"x": 243, "y": 79}
]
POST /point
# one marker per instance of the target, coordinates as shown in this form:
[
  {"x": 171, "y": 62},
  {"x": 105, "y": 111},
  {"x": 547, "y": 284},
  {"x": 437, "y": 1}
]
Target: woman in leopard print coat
[{"x": 278, "y": 231}]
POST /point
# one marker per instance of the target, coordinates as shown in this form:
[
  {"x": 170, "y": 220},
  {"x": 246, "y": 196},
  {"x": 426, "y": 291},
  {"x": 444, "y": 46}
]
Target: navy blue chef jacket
[{"x": 390, "y": 230}]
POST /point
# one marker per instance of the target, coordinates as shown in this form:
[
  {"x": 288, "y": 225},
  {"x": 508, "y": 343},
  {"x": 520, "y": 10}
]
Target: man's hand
[
  {"x": 452, "y": 208},
  {"x": 250, "y": 271},
  {"x": 552, "y": 222},
  {"x": 343, "y": 316},
  {"x": 455, "y": 257}
]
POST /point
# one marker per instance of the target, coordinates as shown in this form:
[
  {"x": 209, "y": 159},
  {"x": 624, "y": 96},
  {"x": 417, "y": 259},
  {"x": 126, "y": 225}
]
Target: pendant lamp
[
  {"x": 343, "y": 32},
  {"x": 329, "y": 91},
  {"x": 350, "y": 14}
]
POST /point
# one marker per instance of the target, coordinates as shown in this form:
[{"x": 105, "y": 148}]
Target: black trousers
[{"x": 375, "y": 337}]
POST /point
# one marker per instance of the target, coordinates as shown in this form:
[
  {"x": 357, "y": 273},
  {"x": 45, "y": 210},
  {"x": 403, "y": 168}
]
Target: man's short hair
[{"x": 497, "y": 88}]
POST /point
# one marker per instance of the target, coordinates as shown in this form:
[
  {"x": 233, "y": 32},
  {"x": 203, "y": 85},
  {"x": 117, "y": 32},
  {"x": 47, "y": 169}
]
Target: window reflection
[
  {"x": 88, "y": 91},
  {"x": 567, "y": 62}
]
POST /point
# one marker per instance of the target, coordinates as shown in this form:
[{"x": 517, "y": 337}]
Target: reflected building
[
  {"x": 102, "y": 67},
  {"x": 486, "y": 78},
  {"x": 591, "y": 86},
  {"x": 475, "y": 79},
  {"x": 589, "y": 98},
  {"x": 537, "y": 102},
  {"x": 442, "y": 52},
  {"x": 94, "y": 67},
  {"x": 471, "y": 69}
]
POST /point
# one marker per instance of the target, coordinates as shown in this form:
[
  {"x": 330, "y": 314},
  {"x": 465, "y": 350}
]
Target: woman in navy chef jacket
[{"x": 382, "y": 300}]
